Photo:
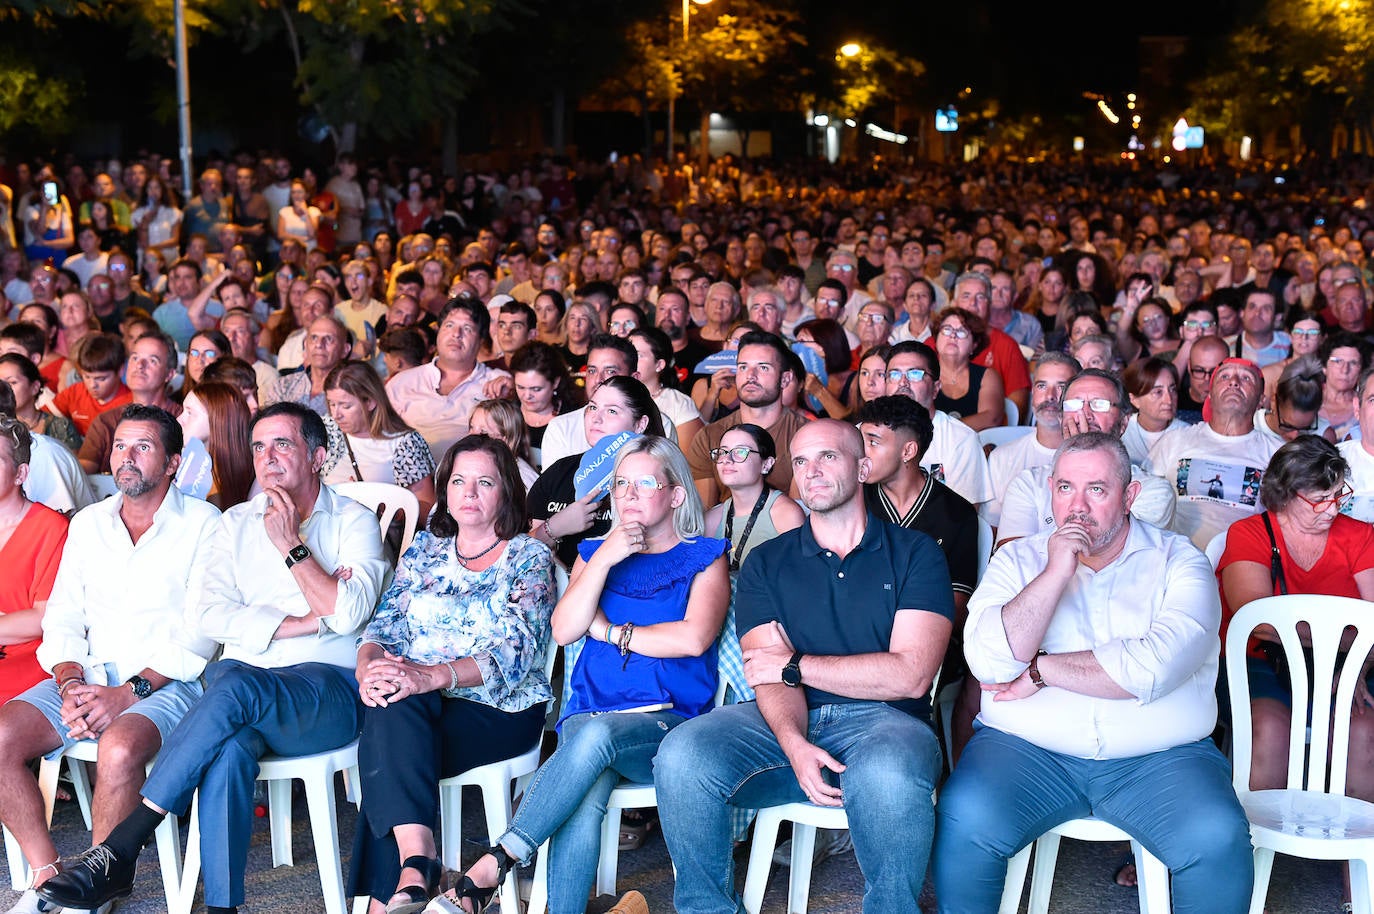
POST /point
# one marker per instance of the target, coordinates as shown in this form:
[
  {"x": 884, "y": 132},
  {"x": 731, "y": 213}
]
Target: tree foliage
[
  {"x": 873, "y": 75},
  {"x": 743, "y": 58},
  {"x": 33, "y": 101}
]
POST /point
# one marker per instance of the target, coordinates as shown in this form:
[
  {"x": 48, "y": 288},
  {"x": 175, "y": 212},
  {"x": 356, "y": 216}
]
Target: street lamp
[
  {"x": 851, "y": 49},
  {"x": 672, "y": 94}
]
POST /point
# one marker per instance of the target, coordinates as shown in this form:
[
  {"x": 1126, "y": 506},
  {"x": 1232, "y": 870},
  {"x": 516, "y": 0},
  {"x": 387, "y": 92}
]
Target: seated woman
[
  {"x": 826, "y": 337},
  {"x": 655, "y": 369},
  {"x": 378, "y": 445},
  {"x": 544, "y": 388},
  {"x": 31, "y": 541},
  {"x": 23, "y": 377},
  {"x": 451, "y": 668},
  {"x": 207, "y": 346},
  {"x": 1152, "y": 385},
  {"x": 560, "y": 518},
  {"x": 1344, "y": 356},
  {"x": 1320, "y": 551},
  {"x": 217, "y": 415},
  {"x": 968, "y": 392},
  {"x": 649, "y": 599}
]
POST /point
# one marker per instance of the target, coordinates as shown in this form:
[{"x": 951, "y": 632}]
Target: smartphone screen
[{"x": 50, "y": 192}]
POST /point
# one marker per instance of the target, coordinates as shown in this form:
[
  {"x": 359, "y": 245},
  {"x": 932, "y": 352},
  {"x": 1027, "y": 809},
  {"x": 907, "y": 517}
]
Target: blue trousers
[
  {"x": 729, "y": 758},
  {"x": 246, "y": 712},
  {"x": 1178, "y": 803}
]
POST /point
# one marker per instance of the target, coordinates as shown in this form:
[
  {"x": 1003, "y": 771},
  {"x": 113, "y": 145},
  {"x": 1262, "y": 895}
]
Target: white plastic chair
[
  {"x": 1311, "y": 817},
  {"x": 102, "y": 485},
  {"x": 386, "y": 500},
  {"x": 1013, "y": 412},
  {"x": 1152, "y": 883},
  {"x": 805, "y": 819},
  {"x": 999, "y": 435},
  {"x": 1215, "y": 547},
  {"x": 77, "y": 757},
  {"x": 499, "y": 782},
  {"x": 316, "y": 772}
]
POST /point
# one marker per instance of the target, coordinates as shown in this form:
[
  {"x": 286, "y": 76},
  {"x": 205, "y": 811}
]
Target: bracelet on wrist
[{"x": 453, "y": 676}]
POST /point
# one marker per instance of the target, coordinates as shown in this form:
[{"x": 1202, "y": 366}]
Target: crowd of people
[{"x": 818, "y": 391}]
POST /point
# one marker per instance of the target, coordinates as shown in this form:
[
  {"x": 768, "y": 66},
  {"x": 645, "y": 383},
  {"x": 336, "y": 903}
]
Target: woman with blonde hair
[{"x": 502, "y": 420}]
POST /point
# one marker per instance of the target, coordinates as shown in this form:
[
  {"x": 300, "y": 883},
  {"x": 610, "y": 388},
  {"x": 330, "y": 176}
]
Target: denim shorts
[{"x": 164, "y": 708}]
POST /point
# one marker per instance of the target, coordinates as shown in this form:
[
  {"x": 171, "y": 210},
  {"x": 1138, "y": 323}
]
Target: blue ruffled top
[{"x": 646, "y": 589}]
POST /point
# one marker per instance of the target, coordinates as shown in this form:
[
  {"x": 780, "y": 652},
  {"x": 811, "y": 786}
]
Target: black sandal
[
  {"x": 482, "y": 897},
  {"x": 411, "y": 899}
]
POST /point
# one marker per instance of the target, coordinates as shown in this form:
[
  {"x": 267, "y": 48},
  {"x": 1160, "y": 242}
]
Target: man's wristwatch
[
  {"x": 791, "y": 674},
  {"x": 297, "y": 555},
  {"x": 1034, "y": 669},
  {"x": 142, "y": 687}
]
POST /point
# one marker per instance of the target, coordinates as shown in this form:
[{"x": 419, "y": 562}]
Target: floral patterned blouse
[{"x": 436, "y": 610}]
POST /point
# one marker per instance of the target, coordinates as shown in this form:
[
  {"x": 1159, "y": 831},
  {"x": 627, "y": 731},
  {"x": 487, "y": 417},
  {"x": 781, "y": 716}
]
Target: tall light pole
[
  {"x": 183, "y": 99},
  {"x": 672, "y": 94}
]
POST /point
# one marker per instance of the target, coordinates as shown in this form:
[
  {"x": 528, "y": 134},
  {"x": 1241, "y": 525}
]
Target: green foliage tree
[{"x": 33, "y": 101}]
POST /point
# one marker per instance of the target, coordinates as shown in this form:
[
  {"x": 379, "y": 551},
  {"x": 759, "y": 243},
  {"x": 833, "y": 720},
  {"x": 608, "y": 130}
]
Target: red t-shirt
[
  {"x": 1003, "y": 353},
  {"x": 1349, "y": 550},
  {"x": 77, "y": 404}
]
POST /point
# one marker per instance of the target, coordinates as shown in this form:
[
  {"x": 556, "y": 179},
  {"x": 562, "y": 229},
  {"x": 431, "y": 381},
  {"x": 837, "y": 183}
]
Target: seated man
[
  {"x": 1097, "y": 646},
  {"x": 842, "y": 718},
  {"x": 1053, "y": 371},
  {"x": 326, "y": 345},
  {"x": 110, "y": 641},
  {"x": 1094, "y": 401},
  {"x": 290, "y": 578}
]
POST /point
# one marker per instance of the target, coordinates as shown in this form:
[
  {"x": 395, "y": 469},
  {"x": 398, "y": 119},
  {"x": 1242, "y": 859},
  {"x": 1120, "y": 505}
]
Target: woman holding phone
[{"x": 49, "y": 230}]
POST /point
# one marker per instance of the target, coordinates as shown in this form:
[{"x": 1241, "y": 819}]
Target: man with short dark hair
[
  {"x": 607, "y": 357},
  {"x": 207, "y": 212},
  {"x": 189, "y": 306},
  {"x": 290, "y": 579},
  {"x": 672, "y": 314},
  {"x": 1259, "y": 341},
  {"x": 111, "y": 628}
]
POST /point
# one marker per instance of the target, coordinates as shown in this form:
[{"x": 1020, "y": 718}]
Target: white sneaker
[
  {"x": 30, "y": 903},
  {"x": 830, "y": 842}
]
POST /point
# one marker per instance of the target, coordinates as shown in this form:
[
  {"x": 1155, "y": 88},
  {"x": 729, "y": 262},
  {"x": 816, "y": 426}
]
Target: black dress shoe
[{"x": 90, "y": 880}]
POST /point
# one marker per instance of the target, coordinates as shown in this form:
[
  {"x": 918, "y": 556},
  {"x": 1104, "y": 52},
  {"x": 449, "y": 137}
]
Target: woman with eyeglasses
[
  {"x": 1344, "y": 356},
  {"x": 1297, "y": 402},
  {"x": 649, "y": 600},
  {"x": 206, "y": 346},
  {"x": 1320, "y": 551},
  {"x": 1149, "y": 333},
  {"x": 1307, "y": 335},
  {"x": 968, "y": 392}
]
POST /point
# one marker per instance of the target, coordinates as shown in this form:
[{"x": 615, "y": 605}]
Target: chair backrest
[
  {"x": 560, "y": 580},
  {"x": 999, "y": 435},
  {"x": 1310, "y": 766},
  {"x": 386, "y": 501},
  {"x": 1215, "y": 547},
  {"x": 1013, "y": 412},
  {"x": 984, "y": 546},
  {"x": 102, "y": 485}
]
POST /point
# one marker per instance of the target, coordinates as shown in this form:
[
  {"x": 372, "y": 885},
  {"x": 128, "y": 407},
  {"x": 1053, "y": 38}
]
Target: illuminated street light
[{"x": 851, "y": 49}]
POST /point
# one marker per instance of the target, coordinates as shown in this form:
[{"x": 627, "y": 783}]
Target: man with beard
[
  {"x": 1053, "y": 371},
  {"x": 672, "y": 315},
  {"x": 1216, "y": 466},
  {"x": 1094, "y": 401},
  {"x": 845, "y": 620},
  {"x": 1110, "y": 628},
  {"x": 120, "y": 675},
  {"x": 760, "y": 381}
]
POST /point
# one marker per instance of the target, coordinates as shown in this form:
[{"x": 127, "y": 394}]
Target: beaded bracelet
[{"x": 453, "y": 672}]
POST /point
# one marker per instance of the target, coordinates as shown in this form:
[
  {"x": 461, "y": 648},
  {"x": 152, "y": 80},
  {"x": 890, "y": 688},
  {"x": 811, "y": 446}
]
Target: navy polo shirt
[{"x": 832, "y": 606}]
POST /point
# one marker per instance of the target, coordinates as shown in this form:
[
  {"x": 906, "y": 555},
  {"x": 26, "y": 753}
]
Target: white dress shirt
[
  {"x": 1006, "y": 462},
  {"x": 441, "y": 419},
  {"x": 1151, "y": 619},
  {"x": 956, "y": 458},
  {"x": 563, "y": 437},
  {"x": 56, "y": 478},
  {"x": 121, "y": 602},
  {"x": 1216, "y": 477},
  {"x": 1361, "y": 507},
  {"x": 247, "y": 590},
  {"x": 1026, "y": 508}
]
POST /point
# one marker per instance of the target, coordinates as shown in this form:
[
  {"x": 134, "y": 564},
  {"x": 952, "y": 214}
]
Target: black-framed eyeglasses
[{"x": 737, "y": 454}]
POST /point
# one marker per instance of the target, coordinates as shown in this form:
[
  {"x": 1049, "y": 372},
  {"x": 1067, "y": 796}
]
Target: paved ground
[{"x": 1082, "y": 880}]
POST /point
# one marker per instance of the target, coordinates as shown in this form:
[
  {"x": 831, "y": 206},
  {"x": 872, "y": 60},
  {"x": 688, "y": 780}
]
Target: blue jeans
[
  {"x": 730, "y": 758},
  {"x": 1178, "y": 803},
  {"x": 246, "y": 712},
  {"x": 566, "y": 801}
]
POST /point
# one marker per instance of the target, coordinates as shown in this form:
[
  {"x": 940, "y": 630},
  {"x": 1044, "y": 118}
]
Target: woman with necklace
[
  {"x": 451, "y": 669},
  {"x": 31, "y": 541},
  {"x": 649, "y": 600},
  {"x": 25, "y": 380}
]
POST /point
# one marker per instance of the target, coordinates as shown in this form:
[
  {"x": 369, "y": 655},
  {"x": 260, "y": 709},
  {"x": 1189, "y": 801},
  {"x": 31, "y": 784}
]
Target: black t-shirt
[
  {"x": 552, "y": 492},
  {"x": 685, "y": 360}
]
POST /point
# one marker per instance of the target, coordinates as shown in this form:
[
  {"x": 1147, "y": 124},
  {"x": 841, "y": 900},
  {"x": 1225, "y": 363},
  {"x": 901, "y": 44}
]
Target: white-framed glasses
[
  {"x": 1096, "y": 404},
  {"x": 959, "y": 333},
  {"x": 912, "y": 375},
  {"x": 642, "y": 485}
]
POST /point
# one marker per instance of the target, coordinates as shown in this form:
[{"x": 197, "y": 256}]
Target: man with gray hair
[
  {"x": 1110, "y": 628},
  {"x": 327, "y": 343},
  {"x": 973, "y": 292},
  {"x": 843, "y": 267},
  {"x": 1053, "y": 372},
  {"x": 765, "y": 308},
  {"x": 1094, "y": 401}
]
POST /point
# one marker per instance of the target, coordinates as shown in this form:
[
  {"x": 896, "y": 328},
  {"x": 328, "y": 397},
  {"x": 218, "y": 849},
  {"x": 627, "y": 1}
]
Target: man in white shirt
[
  {"x": 1216, "y": 466},
  {"x": 1359, "y": 453},
  {"x": 955, "y": 456},
  {"x": 1094, "y": 401},
  {"x": 437, "y": 398},
  {"x": 290, "y": 579},
  {"x": 110, "y": 642},
  {"x": 1097, "y": 646},
  {"x": 1053, "y": 372}
]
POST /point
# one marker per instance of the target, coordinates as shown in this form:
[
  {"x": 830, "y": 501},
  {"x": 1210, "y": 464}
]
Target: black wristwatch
[
  {"x": 791, "y": 674},
  {"x": 297, "y": 555},
  {"x": 142, "y": 687}
]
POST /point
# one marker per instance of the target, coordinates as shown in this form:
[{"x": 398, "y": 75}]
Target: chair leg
[
  {"x": 1042, "y": 874},
  {"x": 190, "y": 867},
  {"x": 353, "y": 788},
  {"x": 1152, "y": 881},
  {"x": 1264, "y": 866},
  {"x": 324, "y": 828},
  {"x": 169, "y": 858},
  {"x": 539, "y": 891},
  {"x": 760, "y": 857},
  {"x": 496, "y": 802},
  {"x": 1016, "y": 881},
  {"x": 81, "y": 789},
  {"x": 799, "y": 880},
  {"x": 279, "y": 820},
  {"x": 1361, "y": 890},
  {"x": 451, "y": 825},
  {"x": 609, "y": 860}
]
